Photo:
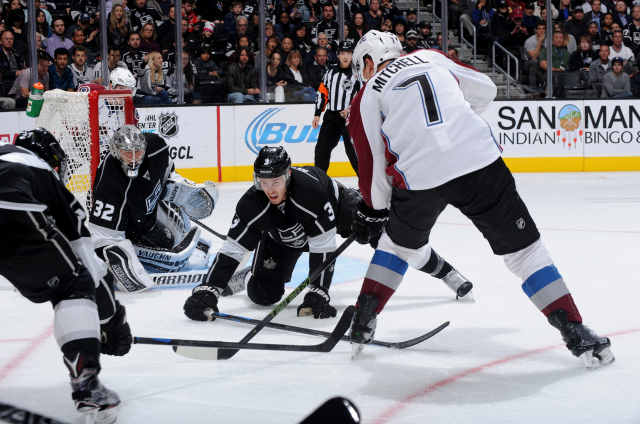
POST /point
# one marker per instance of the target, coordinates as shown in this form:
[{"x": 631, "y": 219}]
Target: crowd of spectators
[{"x": 220, "y": 43}]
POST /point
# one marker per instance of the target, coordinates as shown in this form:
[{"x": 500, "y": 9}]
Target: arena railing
[
  {"x": 463, "y": 41},
  {"x": 506, "y": 73}
]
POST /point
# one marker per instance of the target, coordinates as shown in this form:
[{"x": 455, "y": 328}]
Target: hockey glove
[
  {"x": 204, "y": 298},
  {"x": 316, "y": 303},
  {"x": 116, "y": 334},
  {"x": 368, "y": 222}
]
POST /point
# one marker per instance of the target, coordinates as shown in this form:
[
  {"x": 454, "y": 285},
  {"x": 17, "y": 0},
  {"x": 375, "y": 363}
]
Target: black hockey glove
[
  {"x": 116, "y": 334},
  {"x": 316, "y": 303},
  {"x": 368, "y": 222},
  {"x": 204, "y": 298}
]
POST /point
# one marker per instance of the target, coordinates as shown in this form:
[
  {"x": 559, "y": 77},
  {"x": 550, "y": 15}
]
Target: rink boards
[{"x": 220, "y": 142}]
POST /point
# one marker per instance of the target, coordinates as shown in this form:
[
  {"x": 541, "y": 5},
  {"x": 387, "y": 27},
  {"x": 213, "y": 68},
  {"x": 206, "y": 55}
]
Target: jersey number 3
[
  {"x": 105, "y": 214},
  {"x": 429, "y": 98}
]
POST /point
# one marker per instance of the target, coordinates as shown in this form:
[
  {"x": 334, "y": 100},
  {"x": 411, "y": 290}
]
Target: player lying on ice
[
  {"x": 289, "y": 210},
  {"x": 48, "y": 256},
  {"x": 141, "y": 209},
  {"x": 413, "y": 161}
]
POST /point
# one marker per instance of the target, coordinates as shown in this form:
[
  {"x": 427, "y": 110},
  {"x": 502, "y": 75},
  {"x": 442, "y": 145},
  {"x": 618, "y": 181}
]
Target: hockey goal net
[{"x": 83, "y": 123}]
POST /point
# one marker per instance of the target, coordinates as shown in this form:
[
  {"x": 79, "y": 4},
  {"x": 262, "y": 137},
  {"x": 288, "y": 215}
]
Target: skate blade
[
  {"x": 305, "y": 312},
  {"x": 356, "y": 349},
  {"x": 467, "y": 297},
  {"x": 603, "y": 358},
  {"x": 96, "y": 416}
]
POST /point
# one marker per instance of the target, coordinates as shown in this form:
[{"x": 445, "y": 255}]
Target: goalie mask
[
  {"x": 46, "y": 147},
  {"x": 128, "y": 146},
  {"x": 272, "y": 162}
]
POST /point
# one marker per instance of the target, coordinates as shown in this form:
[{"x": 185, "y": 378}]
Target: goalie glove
[
  {"x": 316, "y": 303},
  {"x": 116, "y": 334},
  {"x": 203, "y": 299},
  {"x": 197, "y": 200}
]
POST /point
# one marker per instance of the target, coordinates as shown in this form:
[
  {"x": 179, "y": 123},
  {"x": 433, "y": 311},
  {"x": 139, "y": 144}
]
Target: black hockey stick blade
[
  {"x": 226, "y": 354},
  {"x": 215, "y": 233},
  {"x": 397, "y": 345},
  {"x": 197, "y": 349},
  {"x": 336, "y": 411}
]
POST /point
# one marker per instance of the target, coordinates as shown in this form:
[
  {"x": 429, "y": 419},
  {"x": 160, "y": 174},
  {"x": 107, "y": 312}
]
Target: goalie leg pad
[
  {"x": 169, "y": 260},
  {"x": 127, "y": 270}
]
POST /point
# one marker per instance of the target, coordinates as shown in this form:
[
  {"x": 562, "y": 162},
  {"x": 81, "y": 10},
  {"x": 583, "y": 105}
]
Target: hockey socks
[
  {"x": 436, "y": 266},
  {"x": 383, "y": 278}
]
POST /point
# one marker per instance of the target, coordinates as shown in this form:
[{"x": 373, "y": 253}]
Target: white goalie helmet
[
  {"x": 128, "y": 145},
  {"x": 379, "y": 46},
  {"x": 123, "y": 78}
]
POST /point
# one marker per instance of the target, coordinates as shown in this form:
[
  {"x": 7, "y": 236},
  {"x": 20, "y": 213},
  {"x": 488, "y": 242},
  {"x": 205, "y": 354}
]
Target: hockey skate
[
  {"x": 459, "y": 284},
  {"x": 583, "y": 342},
  {"x": 237, "y": 283},
  {"x": 95, "y": 401},
  {"x": 364, "y": 323}
]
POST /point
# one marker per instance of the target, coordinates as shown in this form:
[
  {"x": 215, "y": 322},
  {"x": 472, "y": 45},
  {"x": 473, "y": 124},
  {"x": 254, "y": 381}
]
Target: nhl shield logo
[{"x": 168, "y": 125}]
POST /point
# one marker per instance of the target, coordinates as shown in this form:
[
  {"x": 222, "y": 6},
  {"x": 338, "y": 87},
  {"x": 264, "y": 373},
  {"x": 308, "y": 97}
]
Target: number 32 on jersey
[{"x": 103, "y": 211}]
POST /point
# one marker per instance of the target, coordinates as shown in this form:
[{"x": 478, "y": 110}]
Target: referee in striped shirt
[{"x": 338, "y": 88}]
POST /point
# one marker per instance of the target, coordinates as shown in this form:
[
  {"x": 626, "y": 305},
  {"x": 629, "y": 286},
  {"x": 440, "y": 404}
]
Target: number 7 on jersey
[{"x": 429, "y": 98}]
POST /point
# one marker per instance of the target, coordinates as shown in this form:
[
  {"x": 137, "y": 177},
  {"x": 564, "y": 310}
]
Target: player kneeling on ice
[
  {"x": 440, "y": 162},
  {"x": 48, "y": 256},
  {"x": 141, "y": 209},
  {"x": 289, "y": 210}
]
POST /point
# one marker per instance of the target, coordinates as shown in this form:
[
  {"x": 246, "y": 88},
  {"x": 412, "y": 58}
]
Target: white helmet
[
  {"x": 379, "y": 46},
  {"x": 121, "y": 76}
]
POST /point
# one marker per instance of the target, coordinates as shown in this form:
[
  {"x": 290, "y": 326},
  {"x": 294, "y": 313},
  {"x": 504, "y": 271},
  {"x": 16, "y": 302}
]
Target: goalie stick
[
  {"x": 194, "y": 348},
  {"x": 215, "y": 233},
  {"x": 396, "y": 345}
]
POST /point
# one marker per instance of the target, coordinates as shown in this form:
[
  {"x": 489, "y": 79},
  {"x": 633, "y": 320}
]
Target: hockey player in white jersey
[{"x": 422, "y": 145}]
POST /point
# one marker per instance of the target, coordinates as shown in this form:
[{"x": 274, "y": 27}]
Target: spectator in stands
[
  {"x": 82, "y": 74},
  {"x": 328, "y": 26},
  {"x": 243, "y": 41},
  {"x": 11, "y": 62},
  {"x": 133, "y": 57},
  {"x": 168, "y": 27},
  {"x": 621, "y": 14},
  {"x": 453, "y": 54},
  {"x": 152, "y": 86},
  {"x": 60, "y": 76},
  {"x": 347, "y": 13},
  {"x": 616, "y": 84},
  {"x": 213, "y": 11},
  {"x": 502, "y": 26},
  {"x": 242, "y": 26},
  {"x": 374, "y": 17},
  {"x": 593, "y": 11},
  {"x": 399, "y": 28},
  {"x": 190, "y": 40},
  {"x": 275, "y": 78},
  {"x": 323, "y": 41},
  {"x": 359, "y": 27},
  {"x": 559, "y": 56},
  {"x": 83, "y": 6},
  {"x": 619, "y": 50},
  {"x": 482, "y": 15},
  {"x": 311, "y": 11},
  {"x": 600, "y": 67},
  {"x": 565, "y": 11},
  {"x": 596, "y": 41},
  {"x": 78, "y": 39},
  {"x": 269, "y": 30},
  {"x": 529, "y": 20},
  {"x": 118, "y": 27},
  {"x": 426, "y": 40},
  {"x": 242, "y": 79},
  {"x": 581, "y": 59},
  {"x": 204, "y": 66},
  {"x": 284, "y": 27},
  {"x": 577, "y": 26},
  {"x": 148, "y": 39},
  {"x": 206, "y": 38},
  {"x": 542, "y": 4},
  {"x": 141, "y": 15},
  {"x": 10, "y": 6},
  {"x": 188, "y": 7},
  {"x": 286, "y": 46},
  {"x": 15, "y": 23},
  {"x": 631, "y": 32},
  {"x": 230, "y": 19},
  {"x": 605, "y": 33},
  {"x": 90, "y": 32},
  {"x": 533, "y": 46},
  {"x": 188, "y": 81},
  {"x": 298, "y": 87},
  {"x": 569, "y": 42},
  {"x": 301, "y": 41},
  {"x": 439, "y": 41},
  {"x": 58, "y": 39},
  {"x": 412, "y": 42},
  {"x": 113, "y": 62},
  {"x": 42, "y": 26},
  {"x": 317, "y": 69},
  {"x": 22, "y": 85}
]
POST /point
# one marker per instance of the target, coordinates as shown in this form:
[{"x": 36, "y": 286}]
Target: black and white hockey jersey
[
  {"x": 305, "y": 220},
  {"x": 125, "y": 207}
]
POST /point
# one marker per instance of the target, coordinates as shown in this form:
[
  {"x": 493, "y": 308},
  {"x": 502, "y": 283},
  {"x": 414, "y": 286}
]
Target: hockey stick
[
  {"x": 397, "y": 345},
  {"x": 215, "y": 233},
  {"x": 196, "y": 351},
  {"x": 226, "y": 354}
]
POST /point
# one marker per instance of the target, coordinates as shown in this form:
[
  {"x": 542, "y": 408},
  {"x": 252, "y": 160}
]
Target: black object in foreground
[
  {"x": 398, "y": 345},
  {"x": 198, "y": 349},
  {"x": 335, "y": 411}
]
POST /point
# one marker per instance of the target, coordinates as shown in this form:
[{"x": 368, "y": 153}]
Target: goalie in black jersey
[
  {"x": 141, "y": 208},
  {"x": 48, "y": 256},
  {"x": 288, "y": 211}
]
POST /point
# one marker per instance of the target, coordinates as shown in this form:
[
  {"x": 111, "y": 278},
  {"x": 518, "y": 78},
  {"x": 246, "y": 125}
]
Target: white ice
[{"x": 498, "y": 362}]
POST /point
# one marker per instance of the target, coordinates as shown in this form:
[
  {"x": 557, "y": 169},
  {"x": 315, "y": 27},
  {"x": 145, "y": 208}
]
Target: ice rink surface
[{"x": 498, "y": 362}]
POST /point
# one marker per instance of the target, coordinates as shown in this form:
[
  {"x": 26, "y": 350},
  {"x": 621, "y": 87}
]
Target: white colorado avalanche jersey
[{"x": 416, "y": 125}]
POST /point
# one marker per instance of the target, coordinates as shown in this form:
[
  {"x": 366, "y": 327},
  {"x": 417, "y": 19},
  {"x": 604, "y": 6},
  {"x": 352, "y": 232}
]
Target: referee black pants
[{"x": 333, "y": 126}]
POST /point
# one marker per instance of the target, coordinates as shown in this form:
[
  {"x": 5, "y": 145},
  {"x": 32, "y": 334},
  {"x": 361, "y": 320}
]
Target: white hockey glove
[{"x": 197, "y": 200}]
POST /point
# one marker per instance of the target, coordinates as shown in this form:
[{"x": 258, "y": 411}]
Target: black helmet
[
  {"x": 46, "y": 147},
  {"x": 271, "y": 163},
  {"x": 345, "y": 46}
]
